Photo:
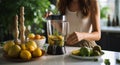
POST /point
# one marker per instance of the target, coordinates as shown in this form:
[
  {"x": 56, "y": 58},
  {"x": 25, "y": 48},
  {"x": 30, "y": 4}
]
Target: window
[
  {"x": 117, "y": 4},
  {"x": 107, "y": 7}
]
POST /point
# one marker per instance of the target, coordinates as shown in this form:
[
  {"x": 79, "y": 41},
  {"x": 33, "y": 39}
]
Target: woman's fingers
[
  {"x": 72, "y": 40},
  {"x": 72, "y": 36}
]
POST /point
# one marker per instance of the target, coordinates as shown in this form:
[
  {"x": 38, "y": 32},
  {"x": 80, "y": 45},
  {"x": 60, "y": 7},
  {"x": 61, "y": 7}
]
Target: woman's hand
[{"x": 74, "y": 38}]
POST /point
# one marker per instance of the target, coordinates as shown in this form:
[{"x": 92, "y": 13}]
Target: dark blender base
[{"x": 55, "y": 50}]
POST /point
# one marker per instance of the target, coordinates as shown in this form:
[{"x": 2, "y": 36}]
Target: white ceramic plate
[{"x": 86, "y": 57}]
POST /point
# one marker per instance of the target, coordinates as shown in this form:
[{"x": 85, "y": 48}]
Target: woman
[{"x": 84, "y": 19}]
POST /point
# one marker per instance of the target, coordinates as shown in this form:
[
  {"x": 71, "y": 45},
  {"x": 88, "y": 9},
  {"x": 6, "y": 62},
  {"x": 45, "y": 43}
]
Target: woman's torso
[{"x": 77, "y": 23}]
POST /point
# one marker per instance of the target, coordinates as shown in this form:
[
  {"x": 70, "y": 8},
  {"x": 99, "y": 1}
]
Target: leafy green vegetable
[
  {"x": 84, "y": 51},
  {"x": 107, "y": 62}
]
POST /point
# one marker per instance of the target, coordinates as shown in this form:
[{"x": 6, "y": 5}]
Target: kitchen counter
[
  {"x": 65, "y": 59},
  {"x": 110, "y": 29}
]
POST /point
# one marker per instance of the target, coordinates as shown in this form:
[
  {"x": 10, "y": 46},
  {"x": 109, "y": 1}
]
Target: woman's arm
[
  {"x": 95, "y": 19},
  {"x": 96, "y": 32}
]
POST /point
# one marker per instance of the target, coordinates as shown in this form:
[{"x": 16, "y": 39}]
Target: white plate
[{"x": 85, "y": 57}]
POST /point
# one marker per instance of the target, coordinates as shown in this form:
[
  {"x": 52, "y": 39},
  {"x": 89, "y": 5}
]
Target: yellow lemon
[
  {"x": 31, "y": 45},
  {"x": 23, "y": 47},
  {"x": 37, "y": 52},
  {"x": 31, "y": 36},
  {"x": 31, "y": 48},
  {"x": 76, "y": 52},
  {"x": 7, "y": 45},
  {"x": 14, "y": 51},
  {"x": 25, "y": 55}
]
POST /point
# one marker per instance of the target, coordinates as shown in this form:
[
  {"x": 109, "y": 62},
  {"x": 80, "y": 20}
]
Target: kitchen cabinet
[{"x": 110, "y": 41}]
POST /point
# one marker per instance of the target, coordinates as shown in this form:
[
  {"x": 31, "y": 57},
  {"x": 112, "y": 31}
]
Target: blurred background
[{"x": 35, "y": 21}]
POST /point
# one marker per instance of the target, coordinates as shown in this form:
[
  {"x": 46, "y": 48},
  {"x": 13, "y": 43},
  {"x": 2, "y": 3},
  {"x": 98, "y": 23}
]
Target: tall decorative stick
[
  {"x": 22, "y": 26},
  {"x": 16, "y": 34}
]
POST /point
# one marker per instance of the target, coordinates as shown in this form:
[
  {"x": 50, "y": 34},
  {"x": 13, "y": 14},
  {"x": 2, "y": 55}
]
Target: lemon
[
  {"x": 37, "y": 52},
  {"x": 7, "y": 45},
  {"x": 31, "y": 45},
  {"x": 25, "y": 55},
  {"x": 23, "y": 47},
  {"x": 14, "y": 51},
  {"x": 76, "y": 52},
  {"x": 31, "y": 36},
  {"x": 31, "y": 48}
]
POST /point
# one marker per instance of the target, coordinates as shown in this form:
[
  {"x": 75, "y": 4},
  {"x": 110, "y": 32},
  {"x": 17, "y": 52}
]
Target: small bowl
[{"x": 40, "y": 42}]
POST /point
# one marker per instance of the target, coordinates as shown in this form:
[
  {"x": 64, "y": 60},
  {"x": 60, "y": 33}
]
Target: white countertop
[
  {"x": 110, "y": 29},
  {"x": 65, "y": 59}
]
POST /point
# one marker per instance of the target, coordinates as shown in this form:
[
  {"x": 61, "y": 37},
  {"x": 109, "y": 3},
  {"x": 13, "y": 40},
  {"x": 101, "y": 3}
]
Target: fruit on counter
[
  {"x": 37, "y": 52},
  {"x": 23, "y": 46},
  {"x": 25, "y": 51},
  {"x": 31, "y": 36},
  {"x": 31, "y": 45},
  {"x": 14, "y": 51},
  {"x": 84, "y": 51},
  {"x": 25, "y": 55},
  {"x": 31, "y": 48},
  {"x": 42, "y": 37},
  {"x": 37, "y": 36},
  {"x": 7, "y": 45}
]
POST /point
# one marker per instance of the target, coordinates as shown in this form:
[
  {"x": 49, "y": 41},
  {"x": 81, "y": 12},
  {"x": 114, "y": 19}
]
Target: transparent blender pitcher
[{"x": 57, "y": 30}]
